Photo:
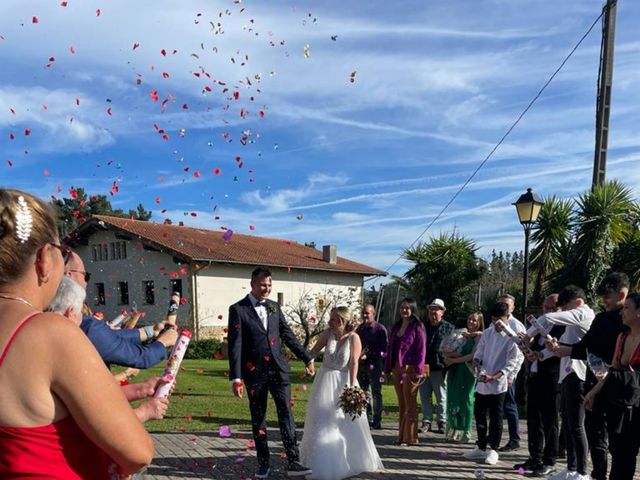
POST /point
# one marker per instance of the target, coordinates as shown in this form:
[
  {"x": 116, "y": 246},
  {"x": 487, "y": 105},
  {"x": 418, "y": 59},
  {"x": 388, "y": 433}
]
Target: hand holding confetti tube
[{"x": 173, "y": 364}]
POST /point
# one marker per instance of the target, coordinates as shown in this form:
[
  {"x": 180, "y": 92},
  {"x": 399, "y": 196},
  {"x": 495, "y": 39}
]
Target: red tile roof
[{"x": 199, "y": 244}]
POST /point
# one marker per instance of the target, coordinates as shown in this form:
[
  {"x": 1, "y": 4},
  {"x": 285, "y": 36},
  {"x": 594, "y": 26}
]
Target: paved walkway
[{"x": 204, "y": 455}]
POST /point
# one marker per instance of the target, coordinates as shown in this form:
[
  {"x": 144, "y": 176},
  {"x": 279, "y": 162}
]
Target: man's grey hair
[
  {"x": 510, "y": 297},
  {"x": 69, "y": 295}
]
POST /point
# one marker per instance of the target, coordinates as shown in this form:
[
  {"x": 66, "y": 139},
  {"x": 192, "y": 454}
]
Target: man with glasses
[{"x": 120, "y": 347}]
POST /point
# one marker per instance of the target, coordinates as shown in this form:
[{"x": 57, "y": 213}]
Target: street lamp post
[{"x": 528, "y": 207}]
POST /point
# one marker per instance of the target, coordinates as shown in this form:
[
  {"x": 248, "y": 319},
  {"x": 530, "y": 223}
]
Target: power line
[{"x": 504, "y": 137}]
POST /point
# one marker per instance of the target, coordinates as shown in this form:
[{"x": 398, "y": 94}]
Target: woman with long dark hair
[{"x": 405, "y": 358}]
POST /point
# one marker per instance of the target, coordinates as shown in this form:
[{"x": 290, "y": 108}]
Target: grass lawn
[{"x": 202, "y": 399}]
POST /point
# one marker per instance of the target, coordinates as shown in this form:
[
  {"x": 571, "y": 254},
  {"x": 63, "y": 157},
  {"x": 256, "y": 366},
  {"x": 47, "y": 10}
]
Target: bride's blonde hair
[{"x": 348, "y": 319}]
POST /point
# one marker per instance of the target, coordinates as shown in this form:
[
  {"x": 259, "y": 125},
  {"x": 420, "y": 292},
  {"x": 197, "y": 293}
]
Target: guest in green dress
[{"x": 461, "y": 382}]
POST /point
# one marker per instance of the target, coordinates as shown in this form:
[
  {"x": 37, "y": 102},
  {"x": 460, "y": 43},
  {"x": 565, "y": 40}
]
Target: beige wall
[
  {"x": 221, "y": 285},
  {"x": 216, "y": 286}
]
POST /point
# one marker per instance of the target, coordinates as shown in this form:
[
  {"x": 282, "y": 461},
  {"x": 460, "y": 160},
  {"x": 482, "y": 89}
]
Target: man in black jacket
[
  {"x": 543, "y": 403},
  {"x": 257, "y": 329},
  {"x": 600, "y": 341}
]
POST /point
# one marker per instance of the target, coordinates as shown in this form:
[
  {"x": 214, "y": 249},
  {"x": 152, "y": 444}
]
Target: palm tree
[
  {"x": 445, "y": 267},
  {"x": 551, "y": 238},
  {"x": 603, "y": 221},
  {"x": 627, "y": 259}
]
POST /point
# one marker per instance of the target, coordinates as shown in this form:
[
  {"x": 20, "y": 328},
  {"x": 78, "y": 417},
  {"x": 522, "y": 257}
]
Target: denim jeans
[{"x": 434, "y": 383}]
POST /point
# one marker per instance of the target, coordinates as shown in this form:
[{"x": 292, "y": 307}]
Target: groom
[{"x": 257, "y": 329}]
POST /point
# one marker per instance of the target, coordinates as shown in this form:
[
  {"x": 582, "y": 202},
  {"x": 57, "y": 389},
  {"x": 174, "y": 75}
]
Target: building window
[
  {"x": 118, "y": 250},
  {"x": 281, "y": 299},
  {"x": 123, "y": 291},
  {"x": 99, "y": 298},
  {"x": 94, "y": 253},
  {"x": 149, "y": 292},
  {"x": 105, "y": 252},
  {"x": 176, "y": 286}
]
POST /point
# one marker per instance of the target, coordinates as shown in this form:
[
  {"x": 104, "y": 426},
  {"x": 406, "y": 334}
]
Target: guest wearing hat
[{"x": 437, "y": 329}]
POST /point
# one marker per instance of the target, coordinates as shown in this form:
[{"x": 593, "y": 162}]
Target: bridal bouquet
[
  {"x": 353, "y": 401},
  {"x": 454, "y": 341}
]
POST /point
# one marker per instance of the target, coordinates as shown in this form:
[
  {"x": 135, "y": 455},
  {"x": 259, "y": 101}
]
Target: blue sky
[{"x": 364, "y": 164}]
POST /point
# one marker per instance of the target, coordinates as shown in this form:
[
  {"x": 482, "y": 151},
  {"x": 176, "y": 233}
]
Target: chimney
[{"x": 330, "y": 254}]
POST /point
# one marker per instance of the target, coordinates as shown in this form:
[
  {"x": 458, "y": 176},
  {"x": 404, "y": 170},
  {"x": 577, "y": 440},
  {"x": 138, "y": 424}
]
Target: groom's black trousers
[{"x": 281, "y": 392}]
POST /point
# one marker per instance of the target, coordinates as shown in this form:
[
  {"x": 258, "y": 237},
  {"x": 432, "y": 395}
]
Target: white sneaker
[
  {"x": 475, "y": 454},
  {"x": 578, "y": 476},
  {"x": 561, "y": 475},
  {"x": 492, "y": 457}
]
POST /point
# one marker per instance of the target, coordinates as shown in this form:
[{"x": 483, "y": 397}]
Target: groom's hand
[
  {"x": 310, "y": 369},
  {"x": 238, "y": 389}
]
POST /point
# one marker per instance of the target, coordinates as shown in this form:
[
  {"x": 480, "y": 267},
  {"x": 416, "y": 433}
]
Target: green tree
[
  {"x": 445, "y": 267},
  {"x": 78, "y": 207},
  {"x": 551, "y": 239},
  {"x": 603, "y": 221}
]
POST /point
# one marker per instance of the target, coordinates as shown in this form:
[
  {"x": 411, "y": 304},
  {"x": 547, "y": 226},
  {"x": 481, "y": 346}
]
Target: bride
[{"x": 333, "y": 445}]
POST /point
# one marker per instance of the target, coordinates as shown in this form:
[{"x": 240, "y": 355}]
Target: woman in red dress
[{"x": 63, "y": 416}]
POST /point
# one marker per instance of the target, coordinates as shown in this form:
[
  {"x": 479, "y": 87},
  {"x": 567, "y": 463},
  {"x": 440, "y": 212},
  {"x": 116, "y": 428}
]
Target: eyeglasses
[
  {"x": 87, "y": 275},
  {"x": 66, "y": 251}
]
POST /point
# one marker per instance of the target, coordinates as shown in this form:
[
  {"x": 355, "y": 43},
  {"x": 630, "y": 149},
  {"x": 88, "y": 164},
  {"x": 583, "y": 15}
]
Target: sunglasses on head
[
  {"x": 87, "y": 275},
  {"x": 66, "y": 251}
]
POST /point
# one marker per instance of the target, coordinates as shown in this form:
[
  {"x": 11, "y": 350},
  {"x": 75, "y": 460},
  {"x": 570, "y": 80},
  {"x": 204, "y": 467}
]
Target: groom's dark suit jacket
[{"x": 252, "y": 349}]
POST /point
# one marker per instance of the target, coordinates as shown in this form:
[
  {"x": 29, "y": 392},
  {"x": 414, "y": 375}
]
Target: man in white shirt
[
  {"x": 576, "y": 316},
  {"x": 510, "y": 405},
  {"x": 497, "y": 358}
]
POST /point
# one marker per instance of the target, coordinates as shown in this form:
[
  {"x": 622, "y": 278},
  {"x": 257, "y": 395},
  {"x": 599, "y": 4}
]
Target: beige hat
[{"x": 437, "y": 303}]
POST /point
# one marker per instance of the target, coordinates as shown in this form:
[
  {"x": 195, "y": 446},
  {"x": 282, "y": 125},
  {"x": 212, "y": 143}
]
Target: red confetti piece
[
  {"x": 218, "y": 355},
  {"x": 11, "y": 136},
  {"x": 27, "y": 132},
  {"x": 12, "y": 111},
  {"x": 98, "y": 12},
  {"x": 261, "y": 113},
  {"x": 72, "y": 50},
  {"x": 183, "y": 271},
  {"x": 10, "y": 163},
  {"x": 135, "y": 45},
  {"x": 217, "y": 171},
  {"x": 220, "y": 317},
  {"x": 165, "y": 75},
  {"x": 225, "y": 330},
  {"x": 78, "y": 102},
  {"x": 45, "y": 107},
  {"x": 157, "y": 199},
  {"x": 196, "y": 174},
  {"x": 163, "y": 52},
  {"x": 251, "y": 227},
  {"x": 63, "y": 4},
  {"x": 34, "y": 20},
  {"x": 109, "y": 111},
  {"x": 46, "y": 173},
  {"x": 185, "y": 106},
  {"x": 194, "y": 214}
]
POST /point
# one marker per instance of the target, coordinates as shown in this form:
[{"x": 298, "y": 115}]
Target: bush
[{"x": 203, "y": 349}]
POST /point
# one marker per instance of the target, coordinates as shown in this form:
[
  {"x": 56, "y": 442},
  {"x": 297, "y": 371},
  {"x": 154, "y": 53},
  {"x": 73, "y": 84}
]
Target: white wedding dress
[{"x": 333, "y": 446}]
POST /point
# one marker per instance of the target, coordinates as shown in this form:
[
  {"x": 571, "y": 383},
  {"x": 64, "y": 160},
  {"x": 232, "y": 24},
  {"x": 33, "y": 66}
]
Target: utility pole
[{"x": 603, "y": 102}]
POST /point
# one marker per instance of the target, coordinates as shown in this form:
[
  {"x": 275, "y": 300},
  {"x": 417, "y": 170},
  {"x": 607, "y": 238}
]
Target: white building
[{"x": 136, "y": 264}]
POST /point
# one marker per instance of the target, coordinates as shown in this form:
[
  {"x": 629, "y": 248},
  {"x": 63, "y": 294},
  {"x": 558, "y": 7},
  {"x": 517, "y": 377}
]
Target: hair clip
[{"x": 24, "y": 220}]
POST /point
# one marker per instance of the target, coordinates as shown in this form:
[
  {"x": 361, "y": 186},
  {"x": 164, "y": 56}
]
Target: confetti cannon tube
[
  {"x": 173, "y": 364},
  {"x": 172, "y": 313},
  {"x": 133, "y": 320},
  {"x": 524, "y": 348},
  {"x": 118, "y": 320}
]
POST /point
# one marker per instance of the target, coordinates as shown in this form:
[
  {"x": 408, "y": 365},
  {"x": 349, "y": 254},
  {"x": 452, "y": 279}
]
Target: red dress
[{"x": 56, "y": 451}]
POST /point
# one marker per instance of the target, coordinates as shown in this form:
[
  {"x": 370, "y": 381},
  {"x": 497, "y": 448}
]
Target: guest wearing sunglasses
[{"x": 120, "y": 347}]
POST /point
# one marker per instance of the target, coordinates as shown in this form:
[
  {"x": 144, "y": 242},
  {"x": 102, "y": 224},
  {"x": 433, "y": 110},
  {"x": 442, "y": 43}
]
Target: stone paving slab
[{"x": 204, "y": 455}]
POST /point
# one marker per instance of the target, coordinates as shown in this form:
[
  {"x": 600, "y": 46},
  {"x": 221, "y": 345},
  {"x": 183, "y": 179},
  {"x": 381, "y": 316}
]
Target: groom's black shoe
[
  {"x": 263, "y": 470},
  {"x": 296, "y": 469}
]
